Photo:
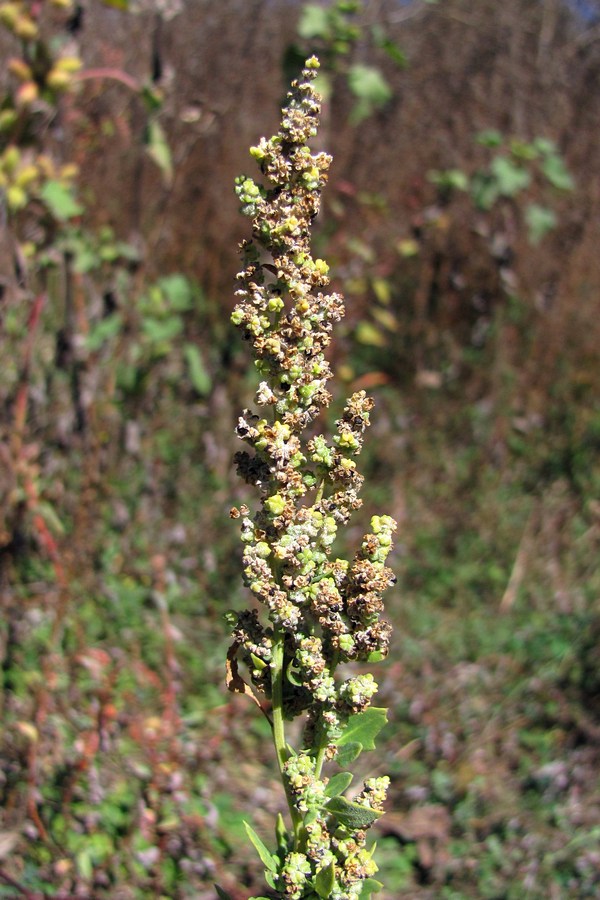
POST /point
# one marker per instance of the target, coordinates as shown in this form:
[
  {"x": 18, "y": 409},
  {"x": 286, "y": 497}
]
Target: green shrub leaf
[
  {"x": 199, "y": 377},
  {"x": 540, "y": 220},
  {"x": 511, "y": 178},
  {"x": 162, "y": 330},
  {"x": 267, "y": 858},
  {"x": 314, "y": 22},
  {"x": 370, "y": 886},
  {"x": 178, "y": 290},
  {"x": 557, "y": 173},
  {"x": 103, "y": 331},
  {"x": 348, "y": 753},
  {"x": 60, "y": 200},
  {"x": 324, "y": 881},
  {"x": 364, "y": 727},
  {"x": 159, "y": 151},
  {"x": 368, "y": 84},
  {"x": 350, "y": 814},
  {"x": 338, "y": 784}
]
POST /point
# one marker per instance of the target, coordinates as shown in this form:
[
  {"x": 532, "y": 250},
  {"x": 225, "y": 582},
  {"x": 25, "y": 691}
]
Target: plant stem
[{"x": 277, "y": 674}]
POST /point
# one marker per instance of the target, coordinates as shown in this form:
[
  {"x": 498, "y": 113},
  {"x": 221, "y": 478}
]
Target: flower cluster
[{"x": 320, "y": 611}]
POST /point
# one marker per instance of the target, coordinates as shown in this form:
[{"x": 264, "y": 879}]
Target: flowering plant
[{"x": 320, "y": 612}]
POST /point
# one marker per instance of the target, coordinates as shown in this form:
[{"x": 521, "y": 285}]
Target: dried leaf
[{"x": 233, "y": 679}]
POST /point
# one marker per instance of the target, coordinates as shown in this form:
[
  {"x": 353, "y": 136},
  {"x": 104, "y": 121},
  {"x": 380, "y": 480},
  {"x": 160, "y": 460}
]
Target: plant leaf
[
  {"x": 103, "y": 331},
  {"x": 348, "y": 753},
  {"x": 178, "y": 291},
  {"x": 270, "y": 879},
  {"x": 223, "y": 895},
  {"x": 364, "y": 727},
  {"x": 60, "y": 200},
  {"x": 370, "y": 886},
  {"x": 314, "y": 22},
  {"x": 281, "y": 833},
  {"x": 557, "y": 173},
  {"x": 510, "y": 177},
  {"x": 367, "y": 83},
  {"x": 369, "y": 334},
  {"x": 393, "y": 50},
  {"x": 338, "y": 784},
  {"x": 158, "y": 150},
  {"x": 267, "y": 858},
  {"x": 540, "y": 220},
  {"x": 324, "y": 881},
  {"x": 351, "y": 815},
  {"x": 199, "y": 377},
  {"x": 157, "y": 330},
  {"x": 489, "y": 138},
  {"x": 484, "y": 188}
]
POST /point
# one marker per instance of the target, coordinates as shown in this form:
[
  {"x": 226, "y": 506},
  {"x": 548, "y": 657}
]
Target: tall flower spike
[{"x": 319, "y": 611}]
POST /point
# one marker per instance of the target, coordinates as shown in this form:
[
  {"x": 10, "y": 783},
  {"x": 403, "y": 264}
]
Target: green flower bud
[{"x": 275, "y": 504}]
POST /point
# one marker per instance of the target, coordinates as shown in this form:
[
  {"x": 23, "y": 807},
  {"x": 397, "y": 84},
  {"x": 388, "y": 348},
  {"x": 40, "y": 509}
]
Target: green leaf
[
  {"x": 50, "y": 517},
  {"x": 267, "y": 858},
  {"x": 546, "y": 146},
  {"x": 510, "y": 177},
  {"x": 351, "y": 815},
  {"x": 153, "y": 99},
  {"x": 199, "y": 377},
  {"x": 314, "y": 22},
  {"x": 324, "y": 881},
  {"x": 85, "y": 866},
  {"x": 540, "y": 220},
  {"x": 389, "y": 46},
  {"x": 158, "y": 150},
  {"x": 368, "y": 84},
  {"x": 489, "y": 138},
  {"x": 103, "y": 331},
  {"x": 557, "y": 173},
  {"x": 117, "y": 4},
  {"x": 370, "y": 886},
  {"x": 369, "y": 334},
  {"x": 157, "y": 330},
  {"x": 484, "y": 189},
  {"x": 450, "y": 179},
  {"x": 524, "y": 150},
  {"x": 348, "y": 753},
  {"x": 338, "y": 784},
  {"x": 223, "y": 895},
  {"x": 60, "y": 201},
  {"x": 281, "y": 833},
  {"x": 364, "y": 727},
  {"x": 257, "y": 662},
  {"x": 178, "y": 291},
  {"x": 270, "y": 879}
]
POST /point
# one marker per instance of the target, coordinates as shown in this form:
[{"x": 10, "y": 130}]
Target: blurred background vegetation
[{"x": 462, "y": 224}]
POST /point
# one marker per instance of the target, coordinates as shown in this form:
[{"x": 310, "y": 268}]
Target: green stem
[
  {"x": 277, "y": 675},
  {"x": 320, "y": 751},
  {"x": 320, "y": 759},
  {"x": 320, "y": 491}
]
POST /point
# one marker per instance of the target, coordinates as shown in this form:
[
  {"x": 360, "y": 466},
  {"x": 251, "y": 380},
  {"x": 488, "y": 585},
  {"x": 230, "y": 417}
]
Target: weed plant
[{"x": 322, "y": 612}]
